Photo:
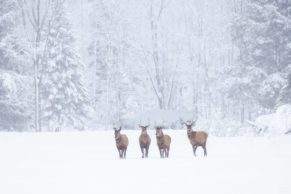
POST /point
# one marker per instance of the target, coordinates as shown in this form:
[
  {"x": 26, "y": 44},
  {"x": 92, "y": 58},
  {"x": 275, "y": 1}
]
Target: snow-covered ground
[
  {"x": 276, "y": 123},
  {"x": 88, "y": 163}
]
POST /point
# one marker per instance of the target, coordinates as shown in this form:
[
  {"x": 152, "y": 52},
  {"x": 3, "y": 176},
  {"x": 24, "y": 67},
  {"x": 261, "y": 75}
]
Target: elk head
[
  {"x": 117, "y": 133},
  {"x": 159, "y": 132},
  {"x": 144, "y": 128},
  {"x": 189, "y": 124}
]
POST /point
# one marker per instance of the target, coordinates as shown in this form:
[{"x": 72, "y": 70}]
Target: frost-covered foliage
[
  {"x": 113, "y": 94},
  {"x": 14, "y": 107},
  {"x": 64, "y": 98},
  {"x": 12, "y": 46},
  {"x": 285, "y": 96},
  {"x": 160, "y": 57},
  {"x": 227, "y": 61},
  {"x": 14, "y": 93},
  {"x": 261, "y": 31}
]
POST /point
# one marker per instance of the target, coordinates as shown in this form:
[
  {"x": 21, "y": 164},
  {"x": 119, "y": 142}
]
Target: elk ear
[
  {"x": 114, "y": 129},
  {"x": 147, "y": 126},
  {"x": 119, "y": 128}
]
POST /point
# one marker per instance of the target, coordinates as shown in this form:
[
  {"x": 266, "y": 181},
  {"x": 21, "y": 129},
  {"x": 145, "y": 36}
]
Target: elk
[
  {"x": 196, "y": 138},
  {"x": 163, "y": 142},
  {"x": 121, "y": 142},
  {"x": 144, "y": 141}
]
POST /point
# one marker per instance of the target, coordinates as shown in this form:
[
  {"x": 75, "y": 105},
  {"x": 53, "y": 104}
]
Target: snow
[
  {"x": 278, "y": 122},
  {"x": 88, "y": 163},
  {"x": 8, "y": 81}
]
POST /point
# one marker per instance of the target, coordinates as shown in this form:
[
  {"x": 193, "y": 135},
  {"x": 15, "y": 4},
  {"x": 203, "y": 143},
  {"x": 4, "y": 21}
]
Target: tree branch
[
  {"x": 161, "y": 9},
  {"x": 45, "y": 15}
]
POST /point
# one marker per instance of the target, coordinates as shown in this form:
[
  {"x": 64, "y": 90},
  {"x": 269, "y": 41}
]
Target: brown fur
[
  {"x": 197, "y": 138},
  {"x": 144, "y": 141},
  {"x": 121, "y": 142},
  {"x": 164, "y": 142}
]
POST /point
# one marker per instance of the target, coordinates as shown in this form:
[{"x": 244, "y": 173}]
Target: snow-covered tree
[
  {"x": 65, "y": 101},
  {"x": 107, "y": 51},
  {"x": 38, "y": 14},
  {"x": 12, "y": 51},
  {"x": 14, "y": 85},
  {"x": 285, "y": 96},
  {"x": 261, "y": 32}
]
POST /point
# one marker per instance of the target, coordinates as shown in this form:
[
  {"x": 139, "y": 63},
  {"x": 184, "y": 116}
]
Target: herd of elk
[{"x": 196, "y": 138}]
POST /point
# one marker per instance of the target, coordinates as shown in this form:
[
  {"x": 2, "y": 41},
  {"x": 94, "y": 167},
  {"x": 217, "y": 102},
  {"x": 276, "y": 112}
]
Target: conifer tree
[
  {"x": 65, "y": 101},
  {"x": 13, "y": 103},
  {"x": 261, "y": 32}
]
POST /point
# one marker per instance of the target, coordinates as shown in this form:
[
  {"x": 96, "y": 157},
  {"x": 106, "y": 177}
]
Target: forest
[{"x": 92, "y": 64}]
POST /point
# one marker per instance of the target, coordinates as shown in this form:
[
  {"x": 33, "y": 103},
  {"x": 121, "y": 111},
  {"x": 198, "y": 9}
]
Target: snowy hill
[{"x": 88, "y": 163}]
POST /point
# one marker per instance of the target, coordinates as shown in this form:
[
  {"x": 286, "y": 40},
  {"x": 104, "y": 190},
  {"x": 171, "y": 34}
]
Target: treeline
[{"x": 94, "y": 63}]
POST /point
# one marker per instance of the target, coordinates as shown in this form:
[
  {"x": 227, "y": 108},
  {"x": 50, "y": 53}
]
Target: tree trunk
[
  {"x": 36, "y": 92},
  {"x": 242, "y": 113},
  {"x": 37, "y": 22},
  {"x": 36, "y": 82}
]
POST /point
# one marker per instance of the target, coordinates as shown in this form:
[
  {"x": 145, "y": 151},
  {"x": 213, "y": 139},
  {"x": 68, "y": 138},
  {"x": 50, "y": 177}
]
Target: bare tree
[
  {"x": 37, "y": 14},
  {"x": 162, "y": 81}
]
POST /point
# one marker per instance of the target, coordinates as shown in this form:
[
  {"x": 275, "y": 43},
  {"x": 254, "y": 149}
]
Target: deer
[
  {"x": 121, "y": 142},
  {"x": 144, "y": 141},
  {"x": 196, "y": 138},
  {"x": 163, "y": 142}
]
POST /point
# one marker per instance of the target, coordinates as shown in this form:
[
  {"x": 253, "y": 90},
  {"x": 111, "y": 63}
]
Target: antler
[
  {"x": 143, "y": 126},
  {"x": 181, "y": 121}
]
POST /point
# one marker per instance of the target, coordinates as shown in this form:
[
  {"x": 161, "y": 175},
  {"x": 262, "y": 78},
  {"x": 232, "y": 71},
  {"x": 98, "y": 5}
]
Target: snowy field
[{"x": 88, "y": 163}]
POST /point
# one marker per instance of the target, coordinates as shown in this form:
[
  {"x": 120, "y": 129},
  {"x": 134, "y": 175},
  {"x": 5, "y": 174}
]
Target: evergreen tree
[
  {"x": 285, "y": 96},
  {"x": 65, "y": 100},
  {"x": 262, "y": 34},
  {"x": 12, "y": 51},
  {"x": 14, "y": 86}
]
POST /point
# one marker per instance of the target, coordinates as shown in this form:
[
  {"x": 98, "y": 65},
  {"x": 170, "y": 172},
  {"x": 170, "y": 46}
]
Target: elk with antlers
[
  {"x": 196, "y": 138},
  {"x": 144, "y": 141},
  {"x": 163, "y": 141},
  {"x": 121, "y": 142}
]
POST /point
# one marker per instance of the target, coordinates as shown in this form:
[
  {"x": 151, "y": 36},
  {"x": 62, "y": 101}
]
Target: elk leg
[
  {"x": 161, "y": 153},
  {"x": 141, "y": 148},
  {"x": 167, "y": 152},
  {"x": 124, "y": 152},
  {"x": 120, "y": 153},
  {"x": 194, "y": 150},
  {"x": 205, "y": 151},
  {"x": 147, "y": 151}
]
